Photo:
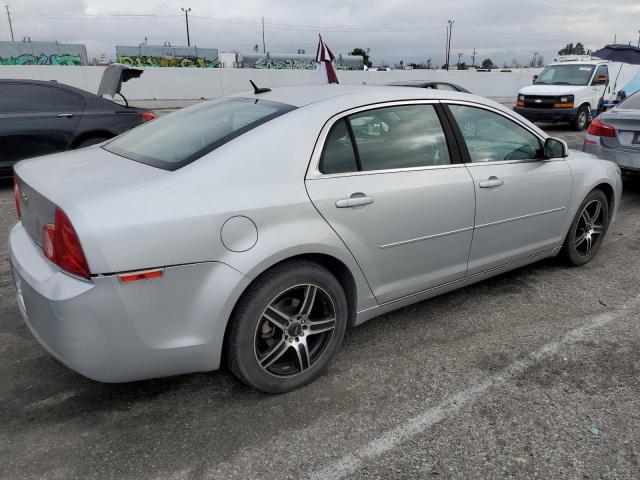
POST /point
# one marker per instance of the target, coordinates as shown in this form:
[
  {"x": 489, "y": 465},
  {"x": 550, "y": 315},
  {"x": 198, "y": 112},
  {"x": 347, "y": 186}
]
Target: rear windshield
[
  {"x": 631, "y": 103},
  {"x": 579, "y": 74},
  {"x": 180, "y": 138}
]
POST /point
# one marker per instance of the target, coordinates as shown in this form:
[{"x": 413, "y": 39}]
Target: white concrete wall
[{"x": 194, "y": 83}]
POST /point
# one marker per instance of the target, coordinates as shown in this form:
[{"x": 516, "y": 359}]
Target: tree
[
  {"x": 365, "y": 56},
  {"x": 487, "y": 63},
  {"x": 571, "y": 49},
  {"x": 540, "y": 62}
]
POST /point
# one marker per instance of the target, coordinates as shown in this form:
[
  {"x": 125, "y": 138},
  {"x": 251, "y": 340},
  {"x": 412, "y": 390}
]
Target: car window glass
[
  {"x": 446, "y": 86},
  {"x": 399, "y": 137},
  {"x": 491, "y": 137},
  {"x": 574, "y": 74},
  {"x": 631, "y": 103},
  {"x": 194, "y": 131},
  {"x": 338, "y": 155},
  {"x": 25, "y": 98},
  {"x": 67, "y": 101},
  {"x": 601, "y": 70}
]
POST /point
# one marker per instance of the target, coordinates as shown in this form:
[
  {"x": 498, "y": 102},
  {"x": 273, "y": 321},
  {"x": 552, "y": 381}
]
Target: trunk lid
[
  {"x": 627, "y": 125},
  {"x": 70, "y": 180}
]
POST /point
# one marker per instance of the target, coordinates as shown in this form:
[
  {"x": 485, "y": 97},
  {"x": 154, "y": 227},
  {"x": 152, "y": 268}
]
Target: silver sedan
[
  {"x": 253, "y": 229},
  {"x": 615, "y": 135}
]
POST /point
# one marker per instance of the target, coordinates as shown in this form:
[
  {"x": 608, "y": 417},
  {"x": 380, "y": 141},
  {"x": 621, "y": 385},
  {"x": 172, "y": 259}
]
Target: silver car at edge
[
  {"x": 253, "y": 229},
  {"x": 615, "y": 135}
]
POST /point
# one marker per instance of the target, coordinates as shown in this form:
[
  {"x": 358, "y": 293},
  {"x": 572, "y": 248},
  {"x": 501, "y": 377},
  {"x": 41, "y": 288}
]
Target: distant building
[
  {"x": 167, "y": 56},
  {"x": 42, "y": 53},
  {"x": 286, "y": 61}
]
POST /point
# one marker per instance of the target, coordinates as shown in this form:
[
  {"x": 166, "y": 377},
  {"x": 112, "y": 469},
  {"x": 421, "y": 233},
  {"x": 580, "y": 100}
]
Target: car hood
[
  {"x": 553, "y": 90},
  {"x": 113, "y": 77}
]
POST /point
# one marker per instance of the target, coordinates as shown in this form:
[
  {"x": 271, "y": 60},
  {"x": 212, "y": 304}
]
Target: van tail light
[
  {"x": 16, "y": 196},
  {"x": 599, "y": 129},
  {"x": 148, "y": 116},
  {"x": 61, "y": 245}
]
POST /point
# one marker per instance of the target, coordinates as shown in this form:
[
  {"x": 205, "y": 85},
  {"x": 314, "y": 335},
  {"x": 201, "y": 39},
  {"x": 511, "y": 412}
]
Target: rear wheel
[
  {"x": 286, "y": 327},
  {"x": 581, "y": 120},
  {"x": 587, "y": 229}
]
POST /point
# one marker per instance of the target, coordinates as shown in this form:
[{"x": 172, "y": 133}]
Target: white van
[{"x": 572, "y": 91}]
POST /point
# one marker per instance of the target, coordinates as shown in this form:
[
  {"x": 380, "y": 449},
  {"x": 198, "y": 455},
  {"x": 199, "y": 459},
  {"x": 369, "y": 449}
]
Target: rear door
[
  {"x": 521, "y": 198},
  {"x": 389, "y": 184},
  {"x": 598, "y": 86},
  {"x": 36, "y": 120}
]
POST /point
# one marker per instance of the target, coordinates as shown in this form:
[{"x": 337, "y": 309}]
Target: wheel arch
[
  {"x": 101, "y": 133},
  {"x": 609, "y": 192}
]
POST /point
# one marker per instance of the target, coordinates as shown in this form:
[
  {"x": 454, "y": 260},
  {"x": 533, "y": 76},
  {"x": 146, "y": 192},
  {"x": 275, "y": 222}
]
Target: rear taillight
[
  {"x": 61, "y": 245},
  {"x": 148, "y": 116},
  {"x": 599, "y": 129},
  {"x": 16, "y": 196}
]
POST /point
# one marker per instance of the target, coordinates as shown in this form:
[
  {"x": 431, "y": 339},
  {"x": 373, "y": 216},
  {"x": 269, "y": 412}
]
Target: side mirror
[
  {"x": 555, "y": 148},
  {"x": 535, "y": 77},
  {"x": 600, "y": 80}
]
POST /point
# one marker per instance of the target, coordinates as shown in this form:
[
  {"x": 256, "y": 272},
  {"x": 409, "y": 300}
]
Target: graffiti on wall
[
  {"x": 43, "y": 59},
  {"x": 285, "y": 64},
  {"x": 186, "y": 62}
]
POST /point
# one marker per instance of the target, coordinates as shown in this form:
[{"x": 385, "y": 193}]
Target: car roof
[
  {"x": 47, "y": 83},
  {"x": 413, "y": 82},
  {"x": 300, "y": 96}
]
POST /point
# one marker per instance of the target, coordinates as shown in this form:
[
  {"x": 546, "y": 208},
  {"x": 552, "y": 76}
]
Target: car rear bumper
[
  {"x": 547, "y": 114},
  {"x": 114, "y": 332},
  {"x": 625, "y": 159}
]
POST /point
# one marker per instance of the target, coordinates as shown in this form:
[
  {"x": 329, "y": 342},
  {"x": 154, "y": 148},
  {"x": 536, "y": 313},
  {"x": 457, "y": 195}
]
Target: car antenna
[{"x": 258, "y": 90}]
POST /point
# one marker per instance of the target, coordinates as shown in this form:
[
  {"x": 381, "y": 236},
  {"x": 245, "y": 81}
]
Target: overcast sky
[{"x": 394, "y": 30}]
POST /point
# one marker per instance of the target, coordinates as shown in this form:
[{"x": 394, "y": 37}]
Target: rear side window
[
  {"x": 631, "y": 103},
  {"x": 180, "y": 138},
  {"x": 66, "y": 101},
  {"x": 386, "y": 138},
  {"x": 25, "y": 98}
]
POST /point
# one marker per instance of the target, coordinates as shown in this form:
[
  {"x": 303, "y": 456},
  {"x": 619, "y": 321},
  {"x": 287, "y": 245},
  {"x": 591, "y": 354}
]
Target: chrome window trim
[{"x": 314, "y": 173}]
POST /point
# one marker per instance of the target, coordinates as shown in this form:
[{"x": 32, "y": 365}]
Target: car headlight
[
  {"x": 521, "y": 98},
  {"x": 566, "y": 99}
]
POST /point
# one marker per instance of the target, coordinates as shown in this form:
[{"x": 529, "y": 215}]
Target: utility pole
[
  {"x": 10, "y": 26},
  {"x": 459, "y": 57},
  {"x": 186, "y": 19},
  {"x": 446, "y": 46},
  {"x": 264, "y": 48},
  {"x": 473, "y": 58},
  {"x": 451, "y": 22}
]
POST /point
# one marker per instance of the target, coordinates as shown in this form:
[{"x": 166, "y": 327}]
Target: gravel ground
[{"x": 532, "y": 374}]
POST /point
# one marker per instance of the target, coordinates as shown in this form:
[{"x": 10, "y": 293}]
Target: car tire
[
  {"x": 286, "y": 327},
  {"x": 87, "y": 142},
  {"x": 587, "y": 229},
  {"x": 581, "y": 120}
]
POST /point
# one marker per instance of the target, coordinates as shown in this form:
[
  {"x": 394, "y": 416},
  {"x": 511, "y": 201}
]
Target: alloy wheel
[
  {"x": 294, "y": 330},
  {"x": 589, "y": 228}
]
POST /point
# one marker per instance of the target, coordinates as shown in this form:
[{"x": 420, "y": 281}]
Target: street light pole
[
  {"x": 9, "y": 18},
  {"x": 451, "y": 22},
  {"x": 186, "y": 19}
]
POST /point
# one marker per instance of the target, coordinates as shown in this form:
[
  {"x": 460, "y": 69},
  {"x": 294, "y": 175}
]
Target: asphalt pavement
[{"x": 532, "y": 374}]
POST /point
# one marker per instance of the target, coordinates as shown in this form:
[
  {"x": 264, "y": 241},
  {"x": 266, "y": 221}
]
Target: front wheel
[
  {"x": 581, "y": 120},
  {"x": 286, "y": 327},
  {"x": 587, "y": 229}
]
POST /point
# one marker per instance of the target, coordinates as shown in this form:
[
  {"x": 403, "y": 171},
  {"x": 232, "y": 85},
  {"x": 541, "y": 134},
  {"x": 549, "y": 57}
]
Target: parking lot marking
[{"x": 391, "y": 439}]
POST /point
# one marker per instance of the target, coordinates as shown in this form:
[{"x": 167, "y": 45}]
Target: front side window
[
  {"x": 399, "y": 137},
  {"x": 601, "y": 71},
  {"x": 25, "y": 98},
  {"x": 491, "y": 137},
  {"x": 576, "y": 74},
  {"x": 182, "y": 137}
]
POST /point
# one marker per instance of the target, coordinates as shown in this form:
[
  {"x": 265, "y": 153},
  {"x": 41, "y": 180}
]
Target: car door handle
[
  {"x": 67, "y": 115},
  {"x": 354, "y": 202},
  {"x": 491, "y": 183}
]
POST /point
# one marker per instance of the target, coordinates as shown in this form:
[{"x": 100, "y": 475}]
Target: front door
[
  {"x": 36, "y": 120},
  {"x": 521, "y": 199},
  {"x": 389, "y": 186},
  {"x": 598, "y": 85}
]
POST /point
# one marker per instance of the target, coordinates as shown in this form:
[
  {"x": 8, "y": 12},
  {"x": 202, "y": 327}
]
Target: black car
[
  {"x": 435, "y": 85},
  {"x": 42, "y": 117}
]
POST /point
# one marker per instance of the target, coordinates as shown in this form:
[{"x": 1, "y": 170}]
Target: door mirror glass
[
  {"x": 535, "y": 77},
  {"x": 554, "y": 148}
]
